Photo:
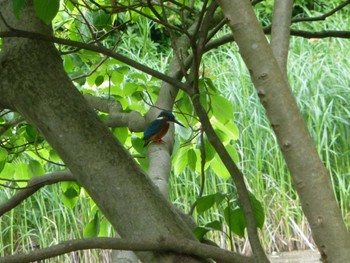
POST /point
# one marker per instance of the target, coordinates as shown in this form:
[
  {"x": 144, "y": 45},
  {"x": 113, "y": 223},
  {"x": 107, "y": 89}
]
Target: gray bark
[
  {"x": 310, "y": 177},
  {"x": 280, "y": 32},
  {"x": 33, "y": 82}
]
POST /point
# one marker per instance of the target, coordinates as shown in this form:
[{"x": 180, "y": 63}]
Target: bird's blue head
[{"x": 168, "y": 116}]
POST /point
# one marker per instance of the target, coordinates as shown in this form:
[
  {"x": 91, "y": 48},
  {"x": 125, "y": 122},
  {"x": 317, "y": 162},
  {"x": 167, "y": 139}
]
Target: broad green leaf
[
  {"x": 54, "y": 156},
  {"x": 235, "y": 220},
  {"x": 68, "y": 63},
  {"x": 129, "y": 89},
  {"x": 92, "y": 228},
  {"x": 8, "y": 171},
  {"x": 208, "y": 84},
  {"x": 22, "y": 172},
  {"x": 258, "y": 211},
  {"x": 138, "y": 143},
  {"x": 105, "y": 228},
  {"x": 218, "y": 166},
  {"x": 2, "y": 165},
  {"x": 31, "y": 133},
  {"x": 3, "y": 154},
  {"x": 200, "y": 231},
  {"x": 36, "y": 168},
  {"x": 229, "y": 128},
  {"x": 71, "y": 192},
  {"x": 17, "y": 7},
  {"x": 222, "y": 108},
  {"x": 180, "y": 161},
  {"x": 46, "y": 10},
  {"x": 121, "y": 133},
  {"x": 205, "y": 202},
  {"x": 191, "y": 159},
  {"x": 117, "y": 78},
  {"x": 99, "y": 80}
]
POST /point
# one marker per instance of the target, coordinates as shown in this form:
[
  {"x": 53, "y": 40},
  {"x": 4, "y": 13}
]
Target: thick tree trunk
[
  {"x": 33, "y": 82},
  {"x": 310, "y": 177}
]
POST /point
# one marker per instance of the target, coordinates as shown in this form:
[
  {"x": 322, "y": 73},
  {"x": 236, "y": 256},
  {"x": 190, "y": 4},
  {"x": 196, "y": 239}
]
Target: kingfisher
[{"x": 155, "y": 131}]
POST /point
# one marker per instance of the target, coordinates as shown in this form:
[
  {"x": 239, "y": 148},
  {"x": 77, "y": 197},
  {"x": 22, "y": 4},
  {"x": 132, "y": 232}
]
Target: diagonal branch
[
  {"x": 321, "y": 17},
  {"x": 98, "y": 49},
  {"x": 34, "y": 185},
  {"x": 185, "y": 246}
]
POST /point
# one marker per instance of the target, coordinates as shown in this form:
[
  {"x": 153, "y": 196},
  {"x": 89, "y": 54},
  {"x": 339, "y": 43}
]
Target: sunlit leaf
[
  {"x": 180, "y": 161},
  {"x": 192, "y": 159},
  {"x": 3, "y": 154},
  {"x": 36, "y": 168},
  {"x": 222, "y": 108},
  {"x": 92, "y": 228},
  {"x": 121, "y": 133}
]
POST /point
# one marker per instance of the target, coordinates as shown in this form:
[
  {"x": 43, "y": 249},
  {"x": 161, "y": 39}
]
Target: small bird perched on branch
[{"x": 155, "y": 131}]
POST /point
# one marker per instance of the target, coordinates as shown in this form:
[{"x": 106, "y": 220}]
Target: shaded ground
[{"x": 302, "y": 256}]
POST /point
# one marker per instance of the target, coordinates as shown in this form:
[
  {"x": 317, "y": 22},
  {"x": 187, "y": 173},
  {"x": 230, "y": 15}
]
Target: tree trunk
[
  {"x": 310, "y": 177},
  {"x": 33, "y": 82}
]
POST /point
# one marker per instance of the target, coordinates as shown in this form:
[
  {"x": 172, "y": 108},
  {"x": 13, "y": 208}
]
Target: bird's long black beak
[{"x": 177, "y": 122}]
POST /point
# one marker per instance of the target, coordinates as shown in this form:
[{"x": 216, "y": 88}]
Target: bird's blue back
[{"x": 154, "y": 127}]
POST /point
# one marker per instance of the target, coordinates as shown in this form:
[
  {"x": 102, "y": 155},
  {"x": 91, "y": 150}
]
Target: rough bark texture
[
  {"x": 310, "y": 177},
  {"x": 33, "y": 82}
]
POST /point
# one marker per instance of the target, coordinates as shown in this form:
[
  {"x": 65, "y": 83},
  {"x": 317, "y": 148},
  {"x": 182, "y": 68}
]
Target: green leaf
[
  {"x": 105, "y": 228},
  {"x": 129, "y": 89},
  {"x": 191, "y": 159},
  {"x": 205, "y": 202},
  {"x": 258, "y": 211},
  {"x": 235, "y": 220},
  {"x": 3, "y": 154},
  {"x": 218, "y": 166},
  {"x": 92, "y": 228},
  {"x": 138, "y": 143},
  {"x": 22, "y": 172},
  {"x": 46, "y": 10},
  {"x": 71, "y": 192},
  {"x": 222, "y": 108},
  {"x": 99, "y": 80},
  {"x": 36, "y": 168},
  {"x": 31, "y": 133},
  {"x": 8, "y": 171},
  {"x": 229, "y": 128},
  {"x": 54, "y": 156},
  {"x": 17, "y": 7},
  {"x": 180, "y": 161},
  {"x": 121, "y": 133},
  {"x": 200, "y": 231}
]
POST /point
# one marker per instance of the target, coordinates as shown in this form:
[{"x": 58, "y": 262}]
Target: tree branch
[
  {"x": 322, "y": 17},
  {"x": 34, "y": 185},
  {"x": 98, "y": 49},
  {"x": 280, "y": 32},
  {"x": 10, "y": 124},
  {"x": 187, "y": 247}
]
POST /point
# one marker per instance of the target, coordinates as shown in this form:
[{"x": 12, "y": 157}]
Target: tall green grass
[{"x": 319, "y": 73}]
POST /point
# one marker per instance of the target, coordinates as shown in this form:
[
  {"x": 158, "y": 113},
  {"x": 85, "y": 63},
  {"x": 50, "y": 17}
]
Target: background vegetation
[{"x": 319, "y": 75}]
